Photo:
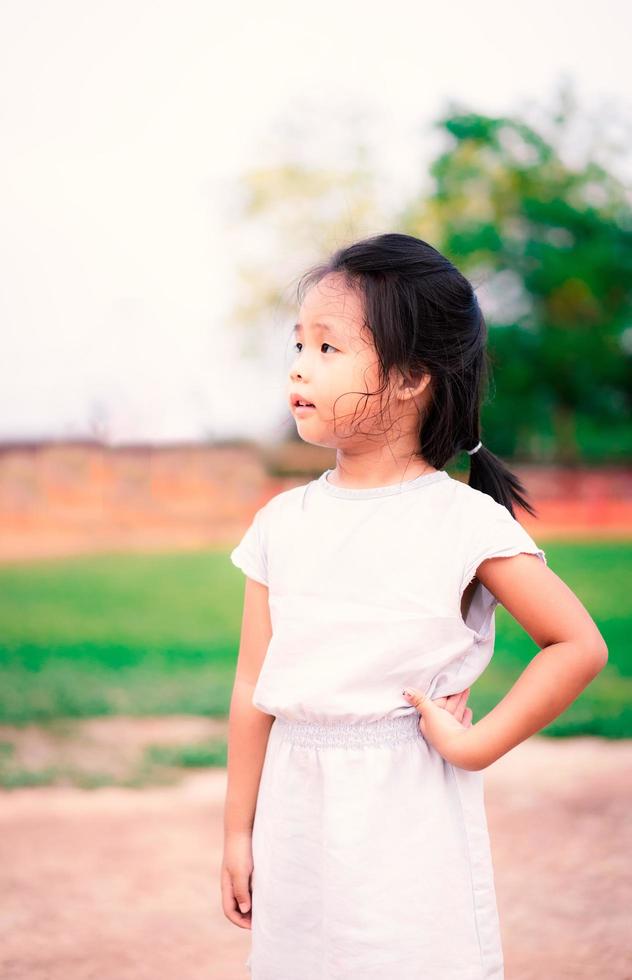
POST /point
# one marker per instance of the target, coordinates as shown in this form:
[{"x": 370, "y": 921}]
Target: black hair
[{"x": 424, "y": 316}]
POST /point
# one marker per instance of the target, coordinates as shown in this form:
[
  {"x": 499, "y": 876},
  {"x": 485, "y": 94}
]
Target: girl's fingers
[
  {"x": 456, "y": 703},
  {"x": 242, "y": 893},
  {"x": 230, "y": 899},
  {"x": 467, "y": 717},
  {"x": 462, "y": 704}
]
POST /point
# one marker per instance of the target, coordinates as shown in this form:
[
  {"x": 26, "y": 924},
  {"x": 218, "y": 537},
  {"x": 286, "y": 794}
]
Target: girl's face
[{"x": 335, "y": 368}]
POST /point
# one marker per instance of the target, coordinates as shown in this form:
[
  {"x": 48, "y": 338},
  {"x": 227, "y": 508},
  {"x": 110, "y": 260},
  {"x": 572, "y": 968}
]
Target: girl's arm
[
  {"x": 573, "y": 653},
  {"x": 248, "y": 731}
]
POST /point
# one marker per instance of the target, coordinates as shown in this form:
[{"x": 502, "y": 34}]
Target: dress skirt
[{"x": 371, "y": 858}]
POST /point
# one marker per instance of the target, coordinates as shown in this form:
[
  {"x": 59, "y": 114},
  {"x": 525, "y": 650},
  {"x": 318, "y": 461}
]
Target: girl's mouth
[{"x": 300, "y": 404}]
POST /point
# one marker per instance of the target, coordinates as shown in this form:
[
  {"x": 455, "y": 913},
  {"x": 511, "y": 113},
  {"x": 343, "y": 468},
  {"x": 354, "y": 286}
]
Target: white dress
[{"x": 371, "y": 852}]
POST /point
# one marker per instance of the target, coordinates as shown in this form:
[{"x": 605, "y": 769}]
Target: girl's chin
[{"x": 310, "y": 434}]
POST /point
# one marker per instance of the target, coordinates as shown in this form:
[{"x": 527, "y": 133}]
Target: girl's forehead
[{"x": 332, "y": 302}]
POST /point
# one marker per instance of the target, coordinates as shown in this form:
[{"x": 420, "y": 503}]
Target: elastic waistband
[{"x": 383, "y": 731}]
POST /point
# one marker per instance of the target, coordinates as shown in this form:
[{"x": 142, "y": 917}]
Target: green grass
[
  {"x": 118, "y": 634},
  {"x": 158, "y": 634},
  {"x": 195, "y": 756},
  {"x": 150, "y": 770}
]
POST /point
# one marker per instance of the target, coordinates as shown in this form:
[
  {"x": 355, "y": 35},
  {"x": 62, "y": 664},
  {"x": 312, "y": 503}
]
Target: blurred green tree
[{"x": 553, "y": 245}]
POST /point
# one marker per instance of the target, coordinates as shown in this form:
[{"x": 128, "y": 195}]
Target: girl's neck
[{"x": 358, "y": 473}]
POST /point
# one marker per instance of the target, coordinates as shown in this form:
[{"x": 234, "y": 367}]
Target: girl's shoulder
[
  {"x": 280, "y": 510},
  {"x": 285, "y": 499},
  {"x": 476, "y": 503},
  {"x": 487, "y": 529},
  {"x": 252, "y": 552},
  {"x": 468, "y": 492}
]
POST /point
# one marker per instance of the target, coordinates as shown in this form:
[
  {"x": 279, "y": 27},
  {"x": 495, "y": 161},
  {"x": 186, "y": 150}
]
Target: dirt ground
[{"x": 123, "y": 884}]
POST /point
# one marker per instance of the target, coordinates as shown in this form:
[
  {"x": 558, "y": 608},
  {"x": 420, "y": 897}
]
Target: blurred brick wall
[
  {"x": 71, "y": 497},
  {"x": 64, "y": 498}
]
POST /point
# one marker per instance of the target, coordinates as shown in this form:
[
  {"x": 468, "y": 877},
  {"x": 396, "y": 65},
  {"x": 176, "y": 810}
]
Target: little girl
[{"x": 355, "y": 835}]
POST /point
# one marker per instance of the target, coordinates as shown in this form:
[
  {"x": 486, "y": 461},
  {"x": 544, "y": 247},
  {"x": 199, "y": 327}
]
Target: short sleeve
[
  {"x": 250, "y": 555},
  {"x": 496, "y": 535}
]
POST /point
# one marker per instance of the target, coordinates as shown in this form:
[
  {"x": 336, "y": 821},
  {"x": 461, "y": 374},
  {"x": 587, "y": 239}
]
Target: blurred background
[{"x": 168, "y": 173}]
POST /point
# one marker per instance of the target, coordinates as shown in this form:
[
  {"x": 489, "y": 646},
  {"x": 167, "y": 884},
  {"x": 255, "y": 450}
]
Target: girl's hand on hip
[
  {"x": 448, "y": 729},
  {"x": 456, "y": 704}
]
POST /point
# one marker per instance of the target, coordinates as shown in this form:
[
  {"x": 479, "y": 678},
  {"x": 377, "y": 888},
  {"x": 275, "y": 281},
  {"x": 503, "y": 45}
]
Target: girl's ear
[{"x": 411, "y": 385}]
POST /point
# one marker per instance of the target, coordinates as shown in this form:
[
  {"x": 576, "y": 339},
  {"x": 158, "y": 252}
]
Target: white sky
[{"x": 124, "y": 124}]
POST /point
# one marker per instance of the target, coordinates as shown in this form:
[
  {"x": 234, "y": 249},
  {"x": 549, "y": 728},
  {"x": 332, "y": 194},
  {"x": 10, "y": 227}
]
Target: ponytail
[{"x": 489, "y": 474}]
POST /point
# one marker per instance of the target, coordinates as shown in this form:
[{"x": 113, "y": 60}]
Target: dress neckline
[{"x": 364, "y": 493}]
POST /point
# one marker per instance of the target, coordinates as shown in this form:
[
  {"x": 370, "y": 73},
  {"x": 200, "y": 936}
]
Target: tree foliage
[{"x": 553, "y": 247}]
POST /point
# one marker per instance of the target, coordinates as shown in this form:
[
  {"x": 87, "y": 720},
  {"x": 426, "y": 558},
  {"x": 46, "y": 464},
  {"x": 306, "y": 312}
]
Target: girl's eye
[{"x": 298, "y": 344}]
